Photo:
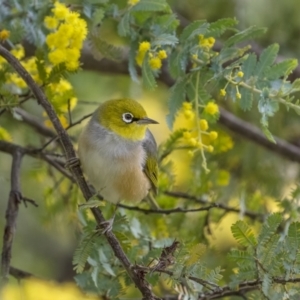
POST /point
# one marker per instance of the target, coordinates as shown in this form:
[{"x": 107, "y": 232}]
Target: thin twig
[
  {"x": 168, "y": 211},
  {"x": 9, "y": 148},
  {"x": 19, "y": 274},
  {"x": 11, "y": 214},
  {"x": 67, "y": 128},
  {"x": 35, "y": 123},
  {"x": 250, "y": 214}
]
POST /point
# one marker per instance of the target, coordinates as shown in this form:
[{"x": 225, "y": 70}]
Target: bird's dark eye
[{"x": 127, "y": 117}]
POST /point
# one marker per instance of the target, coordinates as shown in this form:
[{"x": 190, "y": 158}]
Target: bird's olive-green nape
[{"x": 111, "y": 116}]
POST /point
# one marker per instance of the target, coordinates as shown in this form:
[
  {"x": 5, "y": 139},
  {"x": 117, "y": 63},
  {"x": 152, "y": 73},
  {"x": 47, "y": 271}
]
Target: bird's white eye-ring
[{"x": 127, "y": 117}]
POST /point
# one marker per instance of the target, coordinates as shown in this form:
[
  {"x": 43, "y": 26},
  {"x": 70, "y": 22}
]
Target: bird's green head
[{"x": 125, "y": 117}]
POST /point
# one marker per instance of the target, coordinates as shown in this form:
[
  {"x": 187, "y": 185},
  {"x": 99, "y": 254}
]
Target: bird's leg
[
  {"x": 72, "y": 162},
  {"x": 107, "y": 225}
]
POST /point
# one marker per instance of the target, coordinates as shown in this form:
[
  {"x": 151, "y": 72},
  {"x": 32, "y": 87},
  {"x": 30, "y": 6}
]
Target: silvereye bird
[{"x": 118, "y": 152}]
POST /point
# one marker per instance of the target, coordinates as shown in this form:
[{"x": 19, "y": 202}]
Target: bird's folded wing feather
[{"x": 151, "y": 167}]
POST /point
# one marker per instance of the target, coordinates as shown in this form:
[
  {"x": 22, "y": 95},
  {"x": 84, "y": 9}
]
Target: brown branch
[
  {"x": 252, "y": 133},
  {"x": 140, "y": 283},
  {"x": 250, "y": 214},
  {"x": 215, "y": 291},
  {"x": 19, "y": 274},
  {"x": 11, "y": 213},
  {"x": 9, "y": 148},
  {"x": 167, "y": 211},
  {"x": 34, "y": 122}
]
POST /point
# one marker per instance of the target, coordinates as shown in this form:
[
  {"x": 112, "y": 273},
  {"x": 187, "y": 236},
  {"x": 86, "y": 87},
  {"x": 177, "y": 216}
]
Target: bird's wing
[{"x": 151, "y": 167}]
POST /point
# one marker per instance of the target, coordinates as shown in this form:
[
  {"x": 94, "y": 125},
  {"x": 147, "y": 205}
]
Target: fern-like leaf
[
  {"x": 243, "y": 234},
  {"x": 266, "y": 59},
  {"x": 83, "y": 251}
]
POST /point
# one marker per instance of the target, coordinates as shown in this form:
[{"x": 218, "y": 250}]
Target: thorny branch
[{"x": 142, "y": 285}]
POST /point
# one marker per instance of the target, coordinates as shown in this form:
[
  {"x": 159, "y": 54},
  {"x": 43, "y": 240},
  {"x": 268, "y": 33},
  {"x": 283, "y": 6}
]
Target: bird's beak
[{"x": 146, "y": 121}]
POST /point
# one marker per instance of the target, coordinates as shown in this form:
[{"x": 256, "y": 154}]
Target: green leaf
[
  {"x": 217, "y": 28},
  {"x": 295, "y": 86},
  {"x": 57, "y": 73},
  {"x": 131, "y": 63},
  {"x": 245, "y": 35},
  {"x": 83, "y": 251},
  {"x": 243, "y": 234},
  {"x": 268, "y": 134},
  {"x": 91, "y": 204},
  {"x": 147, "y": 75},
  {"x": 214, "y": 275},
  {"x": 165, "y": 39},
  {"x": 249, "y": 66},
  {"x": 242, "y": 257},
  {"x": 177, "y": 63},
  {"x": 166, "y": 23},
  {"x": 195, "y": 28},
  {"x": 227, "y": 54},
  {"x": 246, "y": 99},
  {"x": 150, "y": 5},
  {"x": 267, "y": 107},
  {"x": 40, "y": 64},
  {"x": 283, "y": 68},
  {"x": 101, "y": 48},
  {"x": 266, "y": 284},
  {"x": 177, "y": 97},
  {"x": 124, "y": 25},
  {"x": 266, "y": 59},
  {"x": 294, "y": 236},
  {"x": 98, "y": 16},
  {"x": 269, "y": 228}
]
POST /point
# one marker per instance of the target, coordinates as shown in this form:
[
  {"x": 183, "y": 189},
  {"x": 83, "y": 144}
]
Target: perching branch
[
  {"x": 140, "y": 283},
  {"x": 11, "y": 213}
]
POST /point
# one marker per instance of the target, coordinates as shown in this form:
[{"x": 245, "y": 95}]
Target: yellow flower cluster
[
  {"x": 133, "y": 2},
  {"x": 67, "y": 36},
  {"x": 12, "y": 78},
  {"x": 4, "y": 34},
  {"x": 206, "y": 42},
  {"x": 197, "y": 135},
  {"x": 47, "y": 290},
  {"x": 155, "y": 58},
  {"x": 61, "y": 95}
]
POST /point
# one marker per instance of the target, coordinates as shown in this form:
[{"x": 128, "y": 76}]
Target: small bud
[
  {"x": 203, "y": 124},
  {"x": 213, "y": 135},
  {"x": 240, "y": 74},
  {"x": 223, "y": 92}
]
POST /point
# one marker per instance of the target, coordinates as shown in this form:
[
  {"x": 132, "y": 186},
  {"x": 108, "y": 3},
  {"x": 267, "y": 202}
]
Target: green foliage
[
  {"x": 147, "y": 75},
  {"x": 101, "y": 48},
  {"x": 177, "y": 97},
  {"x": 272, "y": 256}
]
